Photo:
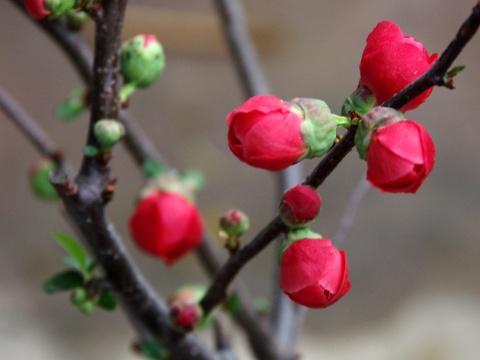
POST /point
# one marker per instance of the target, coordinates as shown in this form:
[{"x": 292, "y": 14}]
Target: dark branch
[
  {"x": 147, "y": 312},
  {"x": 142, "y": 148},
  {"x": 217, "y": 291}
]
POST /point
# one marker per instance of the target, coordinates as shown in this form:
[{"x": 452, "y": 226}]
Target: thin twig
[
  {"x": 28, "y": 126},
  {"x": 217, "y": 291}
]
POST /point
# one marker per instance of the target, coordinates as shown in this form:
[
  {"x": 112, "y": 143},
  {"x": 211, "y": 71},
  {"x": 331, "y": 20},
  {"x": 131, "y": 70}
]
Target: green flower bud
[
  {"x": 319, "y": 127},
  {"x": 142, "y": 60},
  {"x": 376, "y": 118},
  {"x": 108, "y": 132},
  {"x": 40, "y": 180}
]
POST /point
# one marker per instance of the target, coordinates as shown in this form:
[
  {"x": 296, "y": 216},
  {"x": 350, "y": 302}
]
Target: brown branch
[
  {"x": 142, "y": 148},
  {"x": 217, "y": 291},
  {"x": 148, "y": 313}
]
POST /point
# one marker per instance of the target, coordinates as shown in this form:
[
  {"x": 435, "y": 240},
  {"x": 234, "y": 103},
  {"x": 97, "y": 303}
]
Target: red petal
[
  {"x": 275, "y": 142},
  {"x": 261, "y": 103},
  {"x": 308, "y": 261}
]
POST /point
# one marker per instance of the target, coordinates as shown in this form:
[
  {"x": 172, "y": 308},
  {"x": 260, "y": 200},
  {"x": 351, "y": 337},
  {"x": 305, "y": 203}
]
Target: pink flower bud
[
  {"x": 272, "y": 134},
  {"x": 314, "y": 273},
  {"x": 300, "y": 205},
  {"x": 263, "y": 132},
  {"x": 400, "y": 156},
  {"x": 391, "y": 61},
  {"x": 185, "y": 315},
  {"x": 166, "y": 225}
]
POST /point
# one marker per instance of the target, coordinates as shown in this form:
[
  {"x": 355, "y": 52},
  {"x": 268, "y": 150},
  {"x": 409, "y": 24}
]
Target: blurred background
[{"x": 414, "y": 260}]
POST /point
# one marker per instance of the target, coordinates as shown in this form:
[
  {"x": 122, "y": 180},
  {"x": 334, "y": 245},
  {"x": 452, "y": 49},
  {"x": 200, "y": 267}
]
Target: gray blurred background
[{"x": 414, "y": 260}]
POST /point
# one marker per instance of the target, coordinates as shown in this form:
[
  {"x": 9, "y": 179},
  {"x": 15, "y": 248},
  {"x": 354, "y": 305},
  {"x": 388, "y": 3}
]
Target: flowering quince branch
[
  {"x": 217, "y": 291},
  {"x": 143, "y": 150},
  {"x": 84, "y": 204}
]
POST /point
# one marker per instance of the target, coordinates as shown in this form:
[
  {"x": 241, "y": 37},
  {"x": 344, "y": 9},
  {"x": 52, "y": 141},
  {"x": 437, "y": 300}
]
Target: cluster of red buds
[{"x": 272, "y": 134}]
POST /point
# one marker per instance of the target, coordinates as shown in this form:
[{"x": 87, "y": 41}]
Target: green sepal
[
  {"x": 193, "y": 179},
  {"x": 63, "y": 281},
  {"x": 376, "y": 118},
  {"x": 359, "y": 102},
  {"x": 152, "y": 168},
  {"x": 298, "y": 234},
  {"x": 319, "y": 128}
]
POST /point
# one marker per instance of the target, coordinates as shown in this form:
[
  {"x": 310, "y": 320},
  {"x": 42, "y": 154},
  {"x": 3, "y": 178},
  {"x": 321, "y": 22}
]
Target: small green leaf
[
  {"x": 63, "y": 281},
  {"x": 455, "y": 71},
  {"x": 74, "y": 249},
  {"x": 90, "y": 151},
  {"x": 69, "y": 109},
  {"x": 154, "y": 350},
  {"x": 107, "y": 301}
]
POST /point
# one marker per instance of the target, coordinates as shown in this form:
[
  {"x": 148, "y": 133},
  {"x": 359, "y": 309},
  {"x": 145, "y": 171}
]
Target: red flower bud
[
  {"x": 391, "y": 61},
  {"x": 300, "y": 205},
  {"x": 39, "y": 9},
  {"x": 314, "y": 273},
  {"x": 166, "y": 225},
  {"x": 185, "y": 315},
  {"x": 36, "y": 9},
  {"x": 400, "y": 156},
  {"x": 264, "y": 132}
]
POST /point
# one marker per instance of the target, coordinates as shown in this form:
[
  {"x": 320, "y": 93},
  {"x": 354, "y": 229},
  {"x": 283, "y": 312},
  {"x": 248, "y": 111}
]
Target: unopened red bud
[
  {"x": 185, "y": 315},
  {"x": 300, "y": 205}
]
